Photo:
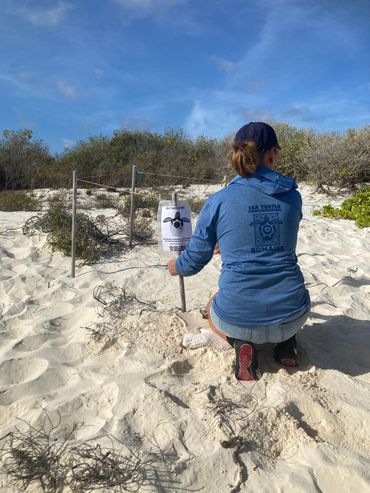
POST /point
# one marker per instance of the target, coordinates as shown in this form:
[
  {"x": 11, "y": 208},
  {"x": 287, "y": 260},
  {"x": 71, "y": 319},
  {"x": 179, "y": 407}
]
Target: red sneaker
[{"x": 246, "y": 367}]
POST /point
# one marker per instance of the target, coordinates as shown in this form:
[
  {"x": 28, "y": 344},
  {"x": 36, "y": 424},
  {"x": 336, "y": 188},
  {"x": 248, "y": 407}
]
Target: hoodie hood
[{"x": 267, "y": 181}]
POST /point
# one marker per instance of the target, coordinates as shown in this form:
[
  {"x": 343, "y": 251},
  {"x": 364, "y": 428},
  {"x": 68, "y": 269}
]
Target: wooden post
[
  {"x": 181, "y": 279},
  {"x": 74, "y": 207},
  {"x": 132, "y": 208}
]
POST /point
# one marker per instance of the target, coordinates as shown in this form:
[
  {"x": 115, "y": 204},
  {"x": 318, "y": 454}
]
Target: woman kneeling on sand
[{"x": 254, "y": 221}]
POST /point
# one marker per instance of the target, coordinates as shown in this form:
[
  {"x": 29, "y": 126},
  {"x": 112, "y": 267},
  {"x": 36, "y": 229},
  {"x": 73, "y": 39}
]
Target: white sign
[{"x": 176, "y": 227}]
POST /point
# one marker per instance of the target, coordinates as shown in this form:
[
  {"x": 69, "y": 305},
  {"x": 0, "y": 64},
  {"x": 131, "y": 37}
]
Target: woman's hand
[
  {"x": 171, "y": 266},
  {"x": 216, "y": 251}
]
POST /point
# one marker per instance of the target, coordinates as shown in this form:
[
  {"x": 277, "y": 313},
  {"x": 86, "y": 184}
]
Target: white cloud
[
  {"x": 138, "y": 122},
  {"x": 251, "y": 114},
  {"x": 211, "y": 116},
  {"x": 197, "y": 122},
  {"x": 10, "y": 79},
  {"x": 283, "y": 50},
  {"x": 67, "y": 143},
  {"x": 45, "y": 17},
  {"x": 28, "y": 83},
  {"x": 225, "y": 65},
  {"x": 162, "y": 11},
  {"x": 98, "y": 72},
  {"x": 255, "y": 87},
  {"x": 68, "y": 90},
  {"x": 146, "y": 7},
  {"x": 264, "y": 83}
]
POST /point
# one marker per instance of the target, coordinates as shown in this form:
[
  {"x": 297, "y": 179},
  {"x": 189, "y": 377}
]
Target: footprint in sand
[
  {"x": 53, "y": 324},
  {"x": 6, "y": 253},
  {"x": 317, "y": 421},
  {"x": 16, "y": 371},
  {"x": 94, "y": 409},
  {"x": 34, "y": 342},
  {"x": 16, "y": 410},
  {"x": 48, "y": 383},
  {"x": 179, "y": 367},
  {"x": 21, "y": 309},
  {"x": 11, "y": 330}
]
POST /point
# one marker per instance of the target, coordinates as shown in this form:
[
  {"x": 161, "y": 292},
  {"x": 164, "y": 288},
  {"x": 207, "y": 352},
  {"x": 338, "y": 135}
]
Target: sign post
[
  {"x": 181, "y": 279},
  {"x": 132, "y": 205},
  {"x": 176, "y": 231},
  {"x": 73, "y": 235}
]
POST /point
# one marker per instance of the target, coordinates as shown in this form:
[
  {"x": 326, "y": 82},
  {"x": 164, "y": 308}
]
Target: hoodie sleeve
[{"x": 200, "y": 248}]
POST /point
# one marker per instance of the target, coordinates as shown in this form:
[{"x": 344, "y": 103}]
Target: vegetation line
[
  {"x": 139, "y": 173},
  {"x": 326, "y": 159}
]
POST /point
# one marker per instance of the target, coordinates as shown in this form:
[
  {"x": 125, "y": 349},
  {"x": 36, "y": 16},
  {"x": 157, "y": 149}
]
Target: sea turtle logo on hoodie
[{"x": 266, "y": 229}]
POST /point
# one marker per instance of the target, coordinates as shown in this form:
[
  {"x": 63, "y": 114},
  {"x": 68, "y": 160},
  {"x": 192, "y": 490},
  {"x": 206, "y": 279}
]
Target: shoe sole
[
  {"x": 288, "y": 362},
  {"x": 245, "y": 359},
  {"x": 288, "y": 356}
]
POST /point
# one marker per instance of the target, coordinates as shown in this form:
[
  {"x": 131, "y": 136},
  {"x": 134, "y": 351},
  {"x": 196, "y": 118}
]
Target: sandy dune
[{"x": 306, "y": 430}]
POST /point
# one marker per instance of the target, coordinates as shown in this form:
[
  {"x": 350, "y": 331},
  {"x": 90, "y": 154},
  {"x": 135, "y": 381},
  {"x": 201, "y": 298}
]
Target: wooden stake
[
  {"x": 74, "y": 207},
  {"x": 132, "y": 208},
  {"x": 181, "y": 279}
]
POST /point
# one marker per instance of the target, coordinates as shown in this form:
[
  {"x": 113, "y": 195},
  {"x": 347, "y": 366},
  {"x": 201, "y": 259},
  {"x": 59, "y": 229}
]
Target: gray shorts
[{"x": 273, "y": 333}]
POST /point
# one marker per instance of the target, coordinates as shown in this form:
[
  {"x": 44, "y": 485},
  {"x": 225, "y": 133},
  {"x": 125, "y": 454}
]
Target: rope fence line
[
  {"x": 155, "y": 266},
  {"x": 96, "y": 176},
  {"x": 98, "y": 184},
  {"x": 134, "y": 175},
  {"x": 139, "y": 173}
]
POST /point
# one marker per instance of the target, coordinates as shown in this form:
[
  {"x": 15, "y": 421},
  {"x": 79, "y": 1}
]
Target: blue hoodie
[{"x": 255, "y": 221}]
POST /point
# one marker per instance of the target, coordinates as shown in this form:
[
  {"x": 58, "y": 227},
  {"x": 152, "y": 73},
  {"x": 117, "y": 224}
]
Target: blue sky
[{"x": 71, "y": 69}]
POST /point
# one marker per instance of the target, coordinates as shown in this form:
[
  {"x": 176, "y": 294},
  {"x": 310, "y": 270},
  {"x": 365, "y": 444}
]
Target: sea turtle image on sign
[
  {"x": 175, "y": 227},
  {"x": 177, "y": 222}
]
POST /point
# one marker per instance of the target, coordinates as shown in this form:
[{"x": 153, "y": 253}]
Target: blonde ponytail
[{"x": 245, "y": 158}]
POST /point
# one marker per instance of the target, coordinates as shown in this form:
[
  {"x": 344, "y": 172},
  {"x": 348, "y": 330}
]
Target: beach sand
[{"x": 294, "y": 431}]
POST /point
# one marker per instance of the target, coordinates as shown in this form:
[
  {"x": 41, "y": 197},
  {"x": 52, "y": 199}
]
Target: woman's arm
[{"x": 201, "y": 246}]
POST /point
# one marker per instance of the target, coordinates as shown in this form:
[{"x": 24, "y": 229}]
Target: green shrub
[
  {"x": 293, "y": 142},
  {"x": 195, "y": 204},
  {"x": 18, "y": 201},
  {"x": 146, "y": 201},
  {"x": 59, "y": 199},
  {"x": 102, "y": 201},
  {"x": 57, "y": 222},
  {"x": 142, "y": 201},
  {"x": 356, "y": 207},
  {"x": 93, "y": 239}
]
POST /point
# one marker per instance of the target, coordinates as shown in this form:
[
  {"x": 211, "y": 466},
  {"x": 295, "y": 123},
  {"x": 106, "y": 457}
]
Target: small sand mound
[{"x": 16, "y": 371}]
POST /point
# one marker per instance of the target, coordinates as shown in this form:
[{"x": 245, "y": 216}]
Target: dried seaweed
[
  {"x": 115, "y": 303},
  {"x": 36, "y": 456}
]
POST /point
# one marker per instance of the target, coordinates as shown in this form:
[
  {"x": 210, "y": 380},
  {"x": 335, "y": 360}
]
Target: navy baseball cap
[{"x": 260, "y": 133}]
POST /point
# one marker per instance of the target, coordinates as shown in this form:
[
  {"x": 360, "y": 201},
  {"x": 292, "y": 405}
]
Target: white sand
[{"x": 306, "y": 430}]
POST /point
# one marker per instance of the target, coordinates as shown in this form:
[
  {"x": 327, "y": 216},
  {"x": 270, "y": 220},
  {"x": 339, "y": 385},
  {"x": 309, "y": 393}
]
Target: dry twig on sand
[
  {"x": 36, "y": 456},
  {"x": 230, "y": 414},
  {"x": 96, "y": 467},
  {"x": 115, "y": 303},
  {"x": 235, "y": 417}
]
